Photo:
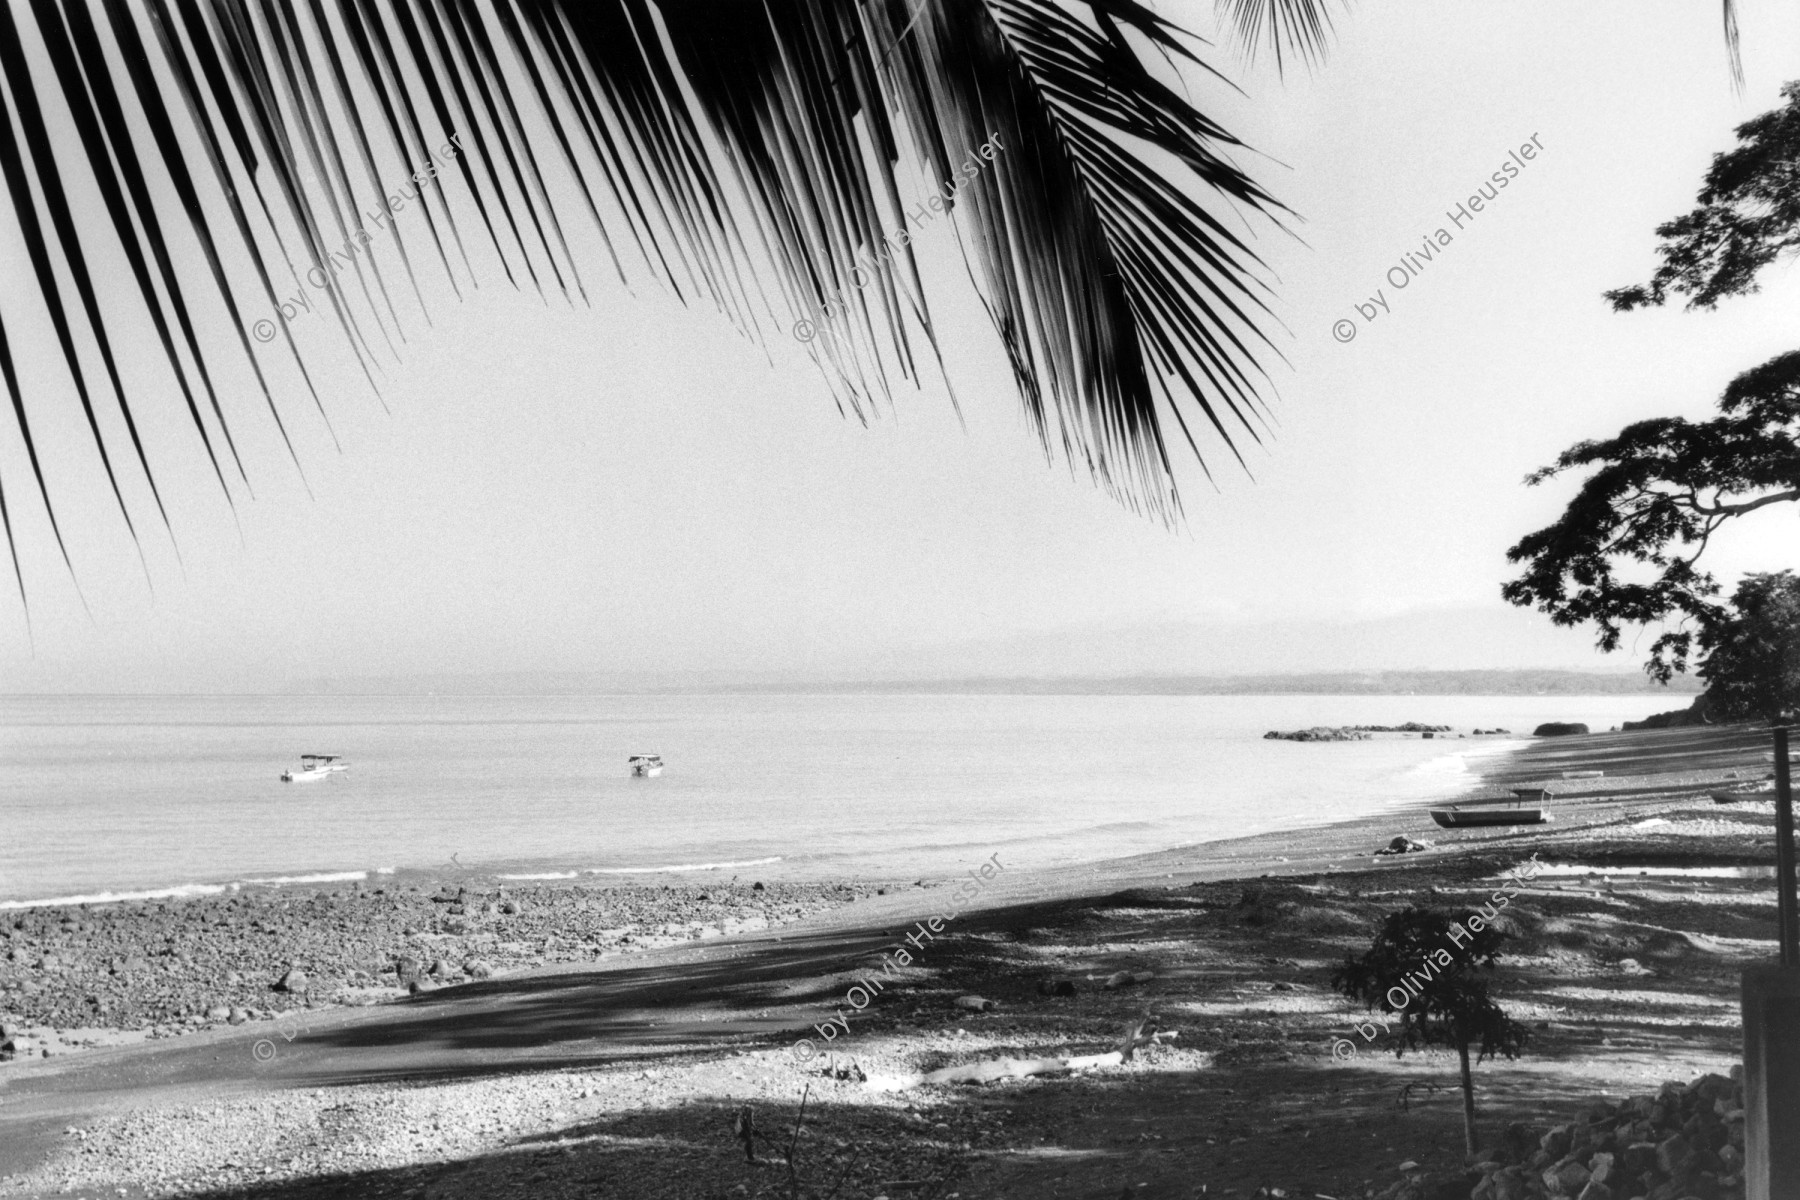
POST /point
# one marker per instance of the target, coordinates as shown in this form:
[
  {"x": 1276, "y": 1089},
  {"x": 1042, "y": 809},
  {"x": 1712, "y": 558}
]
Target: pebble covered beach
[{"x": 159, "y": 968}]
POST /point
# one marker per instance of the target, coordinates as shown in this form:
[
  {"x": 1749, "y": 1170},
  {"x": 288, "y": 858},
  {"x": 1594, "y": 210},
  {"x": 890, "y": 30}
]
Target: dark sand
[{"x": 619, "y": 1077}]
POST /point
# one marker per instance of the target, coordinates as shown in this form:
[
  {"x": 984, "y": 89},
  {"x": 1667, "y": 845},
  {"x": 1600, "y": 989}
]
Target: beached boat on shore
[
  {"x": 1527, "y": 808},
  {"x": 645, "y": 765},
  {"x": 1722, "y": 796},
  {"x": 1458, "y": 817},
  {"x": 315, "y": 766}
]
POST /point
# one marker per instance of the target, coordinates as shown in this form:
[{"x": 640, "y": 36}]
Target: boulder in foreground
[{"x": 1559, "y": 729}]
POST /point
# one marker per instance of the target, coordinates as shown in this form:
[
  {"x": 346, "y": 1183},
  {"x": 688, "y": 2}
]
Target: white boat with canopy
[{"x": 315, "y": 766}]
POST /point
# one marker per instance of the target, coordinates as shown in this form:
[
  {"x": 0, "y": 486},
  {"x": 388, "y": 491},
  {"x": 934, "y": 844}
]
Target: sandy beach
[{"x": 564, "y": 1041}]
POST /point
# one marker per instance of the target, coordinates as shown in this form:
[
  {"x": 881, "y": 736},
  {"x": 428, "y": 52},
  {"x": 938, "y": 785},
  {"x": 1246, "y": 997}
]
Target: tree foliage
[
  {"x": 1448, "y": 1007},
  {"x": 752, "y": 157},
  {"x": 1433, "y": 965},
  {"x": 1624, "y": 551},
  {"x": 1747, "y": 217},
  {"x": 770, "y": 159},
  {"x": 1752, "y": 665}
]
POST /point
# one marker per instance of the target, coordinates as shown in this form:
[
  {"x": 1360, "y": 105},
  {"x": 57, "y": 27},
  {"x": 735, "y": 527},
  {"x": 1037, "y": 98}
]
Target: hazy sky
[{"x": 637, "y": 487}]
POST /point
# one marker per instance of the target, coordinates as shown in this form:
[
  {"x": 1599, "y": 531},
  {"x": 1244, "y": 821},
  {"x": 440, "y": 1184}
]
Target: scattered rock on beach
[
  {"x": 169, "y": 966},
  {"x": 1559, "y": 729},
  {"x": 1403, "y": 845},
  {"x": 1687, "y": 1140},
  {"x": 1123, "y": 979}
]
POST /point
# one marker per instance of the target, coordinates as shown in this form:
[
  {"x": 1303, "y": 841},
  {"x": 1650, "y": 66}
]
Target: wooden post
[
  {"x": 1771, "y": 998},
  {"x": 1784, "y": 854},
  {"x": 1771, "y": 1083}
]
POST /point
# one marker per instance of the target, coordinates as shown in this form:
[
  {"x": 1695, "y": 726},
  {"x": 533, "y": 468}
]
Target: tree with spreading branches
[
  {"x": 762, "y": 158},
  {"x": 1626, "y": 550}
]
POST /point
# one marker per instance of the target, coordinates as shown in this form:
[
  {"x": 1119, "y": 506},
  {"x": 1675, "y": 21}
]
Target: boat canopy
[{"x": 320, "y": 757}]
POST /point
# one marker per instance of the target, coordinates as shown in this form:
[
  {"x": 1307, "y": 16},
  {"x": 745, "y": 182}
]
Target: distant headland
[{"x": 1530, "y": 682}]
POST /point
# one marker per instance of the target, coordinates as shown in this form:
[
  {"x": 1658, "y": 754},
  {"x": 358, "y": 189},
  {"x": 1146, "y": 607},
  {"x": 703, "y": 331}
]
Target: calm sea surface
[{"x": 129, "y": 795}]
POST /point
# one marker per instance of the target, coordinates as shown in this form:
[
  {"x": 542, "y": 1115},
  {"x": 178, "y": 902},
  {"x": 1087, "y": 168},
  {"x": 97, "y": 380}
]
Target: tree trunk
[{"x": 1468, "y": 1089}]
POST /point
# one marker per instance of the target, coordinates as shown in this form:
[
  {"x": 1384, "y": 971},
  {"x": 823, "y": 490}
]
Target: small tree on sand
[{"x": 1423, "y": 966}]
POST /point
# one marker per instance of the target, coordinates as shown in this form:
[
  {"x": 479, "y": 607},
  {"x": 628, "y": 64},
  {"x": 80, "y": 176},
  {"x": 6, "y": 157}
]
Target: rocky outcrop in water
[
  {"x": 1351, "y": 733},
  {"x": 1318, "y": 733}
]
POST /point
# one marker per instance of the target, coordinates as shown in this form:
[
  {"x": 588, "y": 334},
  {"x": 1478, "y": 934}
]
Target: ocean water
[{"x": 114, "y": 796}]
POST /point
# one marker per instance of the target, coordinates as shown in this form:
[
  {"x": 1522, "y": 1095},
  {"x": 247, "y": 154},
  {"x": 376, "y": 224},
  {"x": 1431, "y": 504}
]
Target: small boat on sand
[
  {"x": 1721, "y": 796},
  {"x": 645, "y": 765},
  {"x": 1459, "y": 816},
  {"x": 315, "y": 766}
]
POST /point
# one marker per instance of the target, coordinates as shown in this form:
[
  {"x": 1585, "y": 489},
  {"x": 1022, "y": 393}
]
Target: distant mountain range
[
  {"x": 1346, "y": 683},
  {"x": 1490, "y": 650},
  {"x": 1529, "y": 682}
]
